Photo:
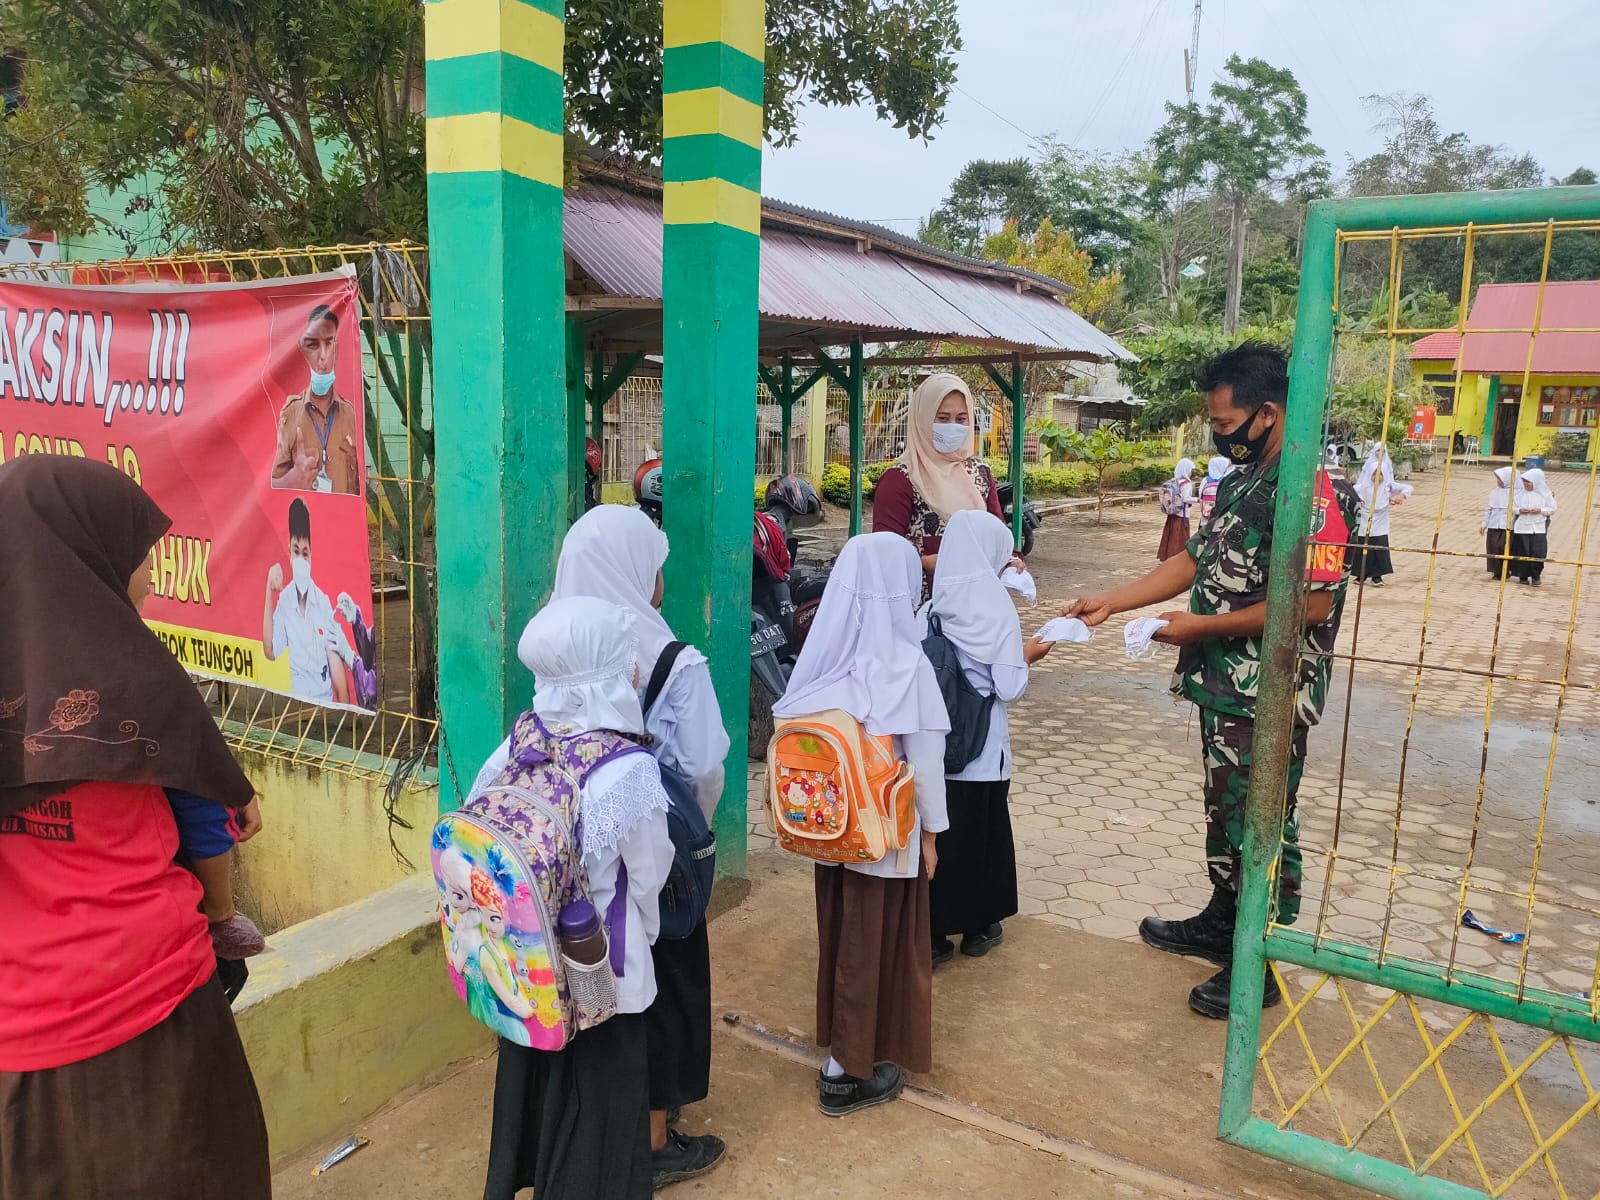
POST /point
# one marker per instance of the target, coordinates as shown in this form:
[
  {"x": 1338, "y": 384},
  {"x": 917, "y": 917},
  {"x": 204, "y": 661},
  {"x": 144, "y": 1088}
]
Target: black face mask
[{"x": 1240, "y": 447}]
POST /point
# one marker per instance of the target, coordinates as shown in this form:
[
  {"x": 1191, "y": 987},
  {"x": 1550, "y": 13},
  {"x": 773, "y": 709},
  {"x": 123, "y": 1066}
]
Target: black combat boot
[
  {"x": 1210, "y": 999},
  {"x": 1208, "y": 934}
]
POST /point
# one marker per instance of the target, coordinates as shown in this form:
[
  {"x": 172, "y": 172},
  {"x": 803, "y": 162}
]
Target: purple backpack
[{"x": 507, "y": 862}]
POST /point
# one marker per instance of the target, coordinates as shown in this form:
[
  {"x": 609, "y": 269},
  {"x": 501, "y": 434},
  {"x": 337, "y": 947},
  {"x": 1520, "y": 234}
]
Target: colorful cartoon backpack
[
  {"x": 507, "y": 862},
  {"x": 837, "y": 794},
  {"x": 1171, "y": 498}
]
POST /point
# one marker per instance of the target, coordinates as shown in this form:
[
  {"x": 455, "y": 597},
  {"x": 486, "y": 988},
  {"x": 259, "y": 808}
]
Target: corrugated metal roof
[
  {"x": 1574, "y": 306},
  {"x": 810, "y": 279}
]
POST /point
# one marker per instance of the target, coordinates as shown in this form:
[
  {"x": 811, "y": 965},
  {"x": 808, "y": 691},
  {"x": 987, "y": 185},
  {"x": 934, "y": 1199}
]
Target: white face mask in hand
[
  {"x": 949, "y": 437},
  {"x": 1136, "y": 635}
]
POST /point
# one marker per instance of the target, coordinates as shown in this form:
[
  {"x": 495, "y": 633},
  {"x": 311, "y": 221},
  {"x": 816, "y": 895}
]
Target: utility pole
[{"x": 1191, "y": 56}]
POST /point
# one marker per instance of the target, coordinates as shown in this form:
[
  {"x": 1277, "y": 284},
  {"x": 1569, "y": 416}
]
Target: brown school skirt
[
  {"x": 171, "y": 1115},
  {"x": 874, "y": 970},
  {"x": 1174, "y": 537}
]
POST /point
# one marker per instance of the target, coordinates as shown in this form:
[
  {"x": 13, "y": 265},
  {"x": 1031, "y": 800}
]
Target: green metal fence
[{"x": 1412, "y": 1058}]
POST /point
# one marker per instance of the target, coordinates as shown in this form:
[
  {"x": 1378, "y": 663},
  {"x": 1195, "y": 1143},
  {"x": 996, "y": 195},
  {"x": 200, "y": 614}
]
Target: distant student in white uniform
[
  {"x": 616, "y": 553},
  {"x": 976, "y": 887},
  {"x": 573, "y": 1124},
  {"x": 1378, "y": 492},
  {"x": 874, "y": 980},
  {"x": 1533, "y": 504},
  {"x": 299, "y": 618},
  {"x": 1496, "y": 526}
]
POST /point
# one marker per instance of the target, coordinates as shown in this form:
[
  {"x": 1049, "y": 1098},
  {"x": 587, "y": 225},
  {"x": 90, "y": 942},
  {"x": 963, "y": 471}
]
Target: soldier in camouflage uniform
[{"x": 1219, "y": 635}]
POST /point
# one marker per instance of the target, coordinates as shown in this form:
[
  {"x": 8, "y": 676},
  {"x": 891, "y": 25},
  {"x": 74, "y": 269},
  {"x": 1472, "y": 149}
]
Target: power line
[
  {"x": 993, "y": 113},
  {"x": 1138, "y": 41}
]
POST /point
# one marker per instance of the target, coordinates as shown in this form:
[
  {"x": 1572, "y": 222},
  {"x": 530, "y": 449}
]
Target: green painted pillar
[
  {"x": 858, "y": 436},
  {"x": 786, "y": 401},
  {"x": 1019, "y": 420},
  {"x": 494, "y": 146},
  {"x": 597, "y": 397},
  {"x": 1486, "y": 444},
  {"x": 712, "y": 77},
  {"x": 577, "y": 422}
]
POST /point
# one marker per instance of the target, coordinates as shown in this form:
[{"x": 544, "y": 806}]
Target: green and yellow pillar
[
  {"x": 494, "y": 144},
  {"x": 712, "y": 73}
]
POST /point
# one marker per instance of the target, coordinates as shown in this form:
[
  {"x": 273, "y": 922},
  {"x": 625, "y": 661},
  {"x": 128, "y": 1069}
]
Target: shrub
[
  {"x": 836, "y": 484},
  {"x": 1143, "y": 475}
]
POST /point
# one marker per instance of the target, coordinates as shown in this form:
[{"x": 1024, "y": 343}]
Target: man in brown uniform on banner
[{"x": 317, "y": 430}]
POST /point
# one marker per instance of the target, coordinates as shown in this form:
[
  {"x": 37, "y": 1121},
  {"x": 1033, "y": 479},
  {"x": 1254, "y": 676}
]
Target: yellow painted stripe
[
  {"x": 741, "y": 24},
  {"x": 711, "y": 110},
  {"x": 492, "y": 142},
  {"x": 711, "y": 202},
  {"x": 456, "y": 28}
]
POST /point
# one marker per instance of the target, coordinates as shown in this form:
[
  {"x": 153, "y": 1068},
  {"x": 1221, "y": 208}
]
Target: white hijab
[
  {"x": 1368, "y": 491},
  {"x": 614, "y": 553},
  {"x": 973, "y": 608},
  {"x": 864, "y": 651},
  {"x": 1534, "y": 476},
  {"x": 1217, "y": 468},
  {"x": 1184, "y": 471},
  {"x": 583, "y": 653}
]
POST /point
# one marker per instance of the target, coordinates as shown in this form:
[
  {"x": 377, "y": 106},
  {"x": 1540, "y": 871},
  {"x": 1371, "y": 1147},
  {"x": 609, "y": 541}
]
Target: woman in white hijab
[
  {"x": 939, "y": 474},
  {"x": 976, "y": 887},
  {"x": 1496, "y": 526},
  {"x": 1177, "y": 494},
  {"x": 1534, "y": 504},
  {"x": 1378, "y": 493},
  {"x": 615, "y": 553},
  {"x": 573, "y": 1124},
  {"x": 874, "y": 980}
]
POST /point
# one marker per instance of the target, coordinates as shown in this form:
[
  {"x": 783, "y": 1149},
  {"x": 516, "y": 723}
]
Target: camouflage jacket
[{"x": 1231, "y": 552}]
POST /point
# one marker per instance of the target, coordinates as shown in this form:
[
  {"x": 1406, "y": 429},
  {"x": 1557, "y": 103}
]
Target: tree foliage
[
  {"x": 1167, "y": 375},
  {"x": 289, "y": 122},
  {"x": 983, "y": 198},
  {"x": 1052, "y": 252}
]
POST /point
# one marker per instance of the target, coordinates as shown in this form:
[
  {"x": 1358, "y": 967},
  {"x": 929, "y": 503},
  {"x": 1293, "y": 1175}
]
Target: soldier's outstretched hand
[{"x": 1091, "y": 610}]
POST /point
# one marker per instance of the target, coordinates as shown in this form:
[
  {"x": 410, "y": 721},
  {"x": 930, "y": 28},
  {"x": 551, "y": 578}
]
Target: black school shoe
[
  {"x": 976, "y": 945},
  {"x": 1210, "y": 999},
  {"x": 943, "y": 951},
  {"x": 841, "y": 1095},
  {"x": 684, "y": 1157}
]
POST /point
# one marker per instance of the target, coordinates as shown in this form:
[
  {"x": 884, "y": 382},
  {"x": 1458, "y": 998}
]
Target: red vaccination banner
[{"x": 238, "y": 407}]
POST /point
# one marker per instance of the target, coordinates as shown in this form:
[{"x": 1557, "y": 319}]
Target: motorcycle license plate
[{"x": 769, "y": 637}]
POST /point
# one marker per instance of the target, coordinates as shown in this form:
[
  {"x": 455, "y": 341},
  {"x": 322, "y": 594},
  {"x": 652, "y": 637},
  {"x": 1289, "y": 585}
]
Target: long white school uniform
[
  {"x": 686, "y": 724},
  {"x": 1538, "y": 522}
]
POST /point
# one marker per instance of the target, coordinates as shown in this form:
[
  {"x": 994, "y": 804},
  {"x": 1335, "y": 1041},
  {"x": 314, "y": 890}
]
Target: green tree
[
  {"x": 1099, "y": 450},
  {"x": 1095, "y": 295},
  {"x": 1171, "y": 361},
  {"x": 287, "y": 122},
  {"x": 1251, "y": 139},
  {"x": 984, "y": 197}
]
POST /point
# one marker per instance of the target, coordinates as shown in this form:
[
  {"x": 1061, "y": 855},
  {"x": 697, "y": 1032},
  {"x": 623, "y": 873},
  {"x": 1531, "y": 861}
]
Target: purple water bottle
[{"x": 586, "y": 963}]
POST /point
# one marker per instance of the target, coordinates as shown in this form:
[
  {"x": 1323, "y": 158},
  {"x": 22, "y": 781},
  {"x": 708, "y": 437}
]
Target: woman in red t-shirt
[
  {"x": 938, "y": 474},
  {"x": 121, "y": 1071}
]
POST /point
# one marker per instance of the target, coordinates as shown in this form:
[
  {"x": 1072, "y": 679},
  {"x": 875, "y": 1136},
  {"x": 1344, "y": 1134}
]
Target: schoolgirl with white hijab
[
  {"x": 874, "y": 978},
  {"x": 1534, "y": 504},
  {"x": 573, "y": 1124},
  {"x": 1378, "y": 492},
  {"x": 1496, "y": 524},
  {"x": 976, "y": 886},
  {"x": 615, "y": 553}
]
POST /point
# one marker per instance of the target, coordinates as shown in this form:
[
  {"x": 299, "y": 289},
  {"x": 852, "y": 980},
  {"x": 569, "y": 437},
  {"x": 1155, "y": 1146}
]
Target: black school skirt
[
  {"x": 573, "y": 1124},
  {"x": 678, "y": 1025},
  {"x": 975, "y": 884}
]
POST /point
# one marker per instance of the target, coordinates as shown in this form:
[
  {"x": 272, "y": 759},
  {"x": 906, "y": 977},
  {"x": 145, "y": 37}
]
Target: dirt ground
[{"x": 1066, "y": 1063}]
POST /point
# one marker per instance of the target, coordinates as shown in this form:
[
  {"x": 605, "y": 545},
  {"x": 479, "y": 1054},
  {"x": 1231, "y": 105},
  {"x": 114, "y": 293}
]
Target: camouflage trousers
[{"x": 1228, "y": 745}]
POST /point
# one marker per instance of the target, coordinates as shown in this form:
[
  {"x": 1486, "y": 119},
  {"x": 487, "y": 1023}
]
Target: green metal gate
[{"x": 1413, "y": 1057}]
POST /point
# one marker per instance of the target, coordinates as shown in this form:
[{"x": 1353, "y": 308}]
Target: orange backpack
[{"x": 837, "y": 794}]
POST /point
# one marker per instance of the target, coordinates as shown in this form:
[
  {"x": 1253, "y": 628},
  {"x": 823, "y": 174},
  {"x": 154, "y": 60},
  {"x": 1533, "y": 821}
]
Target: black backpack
[
  {"x": 968, "y": 708},
  {"x": 687, "y": 891}
]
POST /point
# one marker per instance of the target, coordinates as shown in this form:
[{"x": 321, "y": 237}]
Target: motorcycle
[
  {"x": 591, "y": 473},
  {"x": 1030, "y": 515}
]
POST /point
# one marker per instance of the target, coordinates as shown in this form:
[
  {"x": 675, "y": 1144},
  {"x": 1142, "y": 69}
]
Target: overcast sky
[{"x": 1095, "y": 74}]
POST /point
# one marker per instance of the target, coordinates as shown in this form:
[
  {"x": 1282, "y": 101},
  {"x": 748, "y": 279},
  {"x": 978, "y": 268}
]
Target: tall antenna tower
[{"x": 1191, "y": 56}]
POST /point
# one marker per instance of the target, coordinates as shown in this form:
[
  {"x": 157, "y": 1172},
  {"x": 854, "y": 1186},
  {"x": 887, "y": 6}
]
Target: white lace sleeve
[{"x": 617, "y": 796}]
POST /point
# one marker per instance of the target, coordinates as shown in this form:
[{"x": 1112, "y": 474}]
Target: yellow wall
[
  {"x": 1533, "y": 438},
  {"x": 324, "y": 841},
  {"x": 1472, "y": 405}
]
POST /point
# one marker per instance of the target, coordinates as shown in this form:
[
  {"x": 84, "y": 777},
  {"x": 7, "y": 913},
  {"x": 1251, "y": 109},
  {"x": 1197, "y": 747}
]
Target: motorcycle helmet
[
  {"x": 647, "y": 484},
  {"x": 795, "y": 494},
  {"x": 591, "y": 456},
  {"x": 770, "y": 549}
]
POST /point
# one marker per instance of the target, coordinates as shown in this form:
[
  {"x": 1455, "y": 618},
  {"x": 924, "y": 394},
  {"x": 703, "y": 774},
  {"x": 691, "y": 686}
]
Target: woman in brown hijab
[{"x": 121, "y": 1072}]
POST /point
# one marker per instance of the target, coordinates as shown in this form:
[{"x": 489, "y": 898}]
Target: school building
[{"x": 1486, "y": 386}]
